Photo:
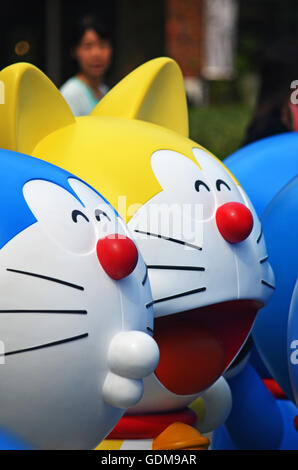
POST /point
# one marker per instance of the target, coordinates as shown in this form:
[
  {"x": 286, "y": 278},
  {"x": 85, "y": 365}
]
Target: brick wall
[{"x": 184, "y": 34}]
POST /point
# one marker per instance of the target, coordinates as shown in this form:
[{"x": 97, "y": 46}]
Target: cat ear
[
  {"x": 154, "y": 92},
  {"x": 31, "y": 108}
]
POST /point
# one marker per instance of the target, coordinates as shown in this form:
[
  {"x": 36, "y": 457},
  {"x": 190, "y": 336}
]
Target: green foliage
[
  {"x": 220, "y": 129},
  {"x": 221, "y": 92}
]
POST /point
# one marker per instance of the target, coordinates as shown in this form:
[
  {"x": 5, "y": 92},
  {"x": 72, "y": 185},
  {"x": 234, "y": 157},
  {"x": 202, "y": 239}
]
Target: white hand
[
  {"x": 132, "y": 356},
  {"x": 218, "y": 405}
]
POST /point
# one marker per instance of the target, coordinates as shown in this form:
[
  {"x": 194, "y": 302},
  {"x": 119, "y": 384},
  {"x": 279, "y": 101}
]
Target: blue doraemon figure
[
  {"x": 258, "y": 419},
  {"x": 69, "y": 302},
  {"x": 264, "y": 167},
  {"x": 293, "y": 343}
]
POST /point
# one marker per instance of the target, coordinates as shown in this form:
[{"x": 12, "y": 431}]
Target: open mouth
[{"x": 197, "y": 346}]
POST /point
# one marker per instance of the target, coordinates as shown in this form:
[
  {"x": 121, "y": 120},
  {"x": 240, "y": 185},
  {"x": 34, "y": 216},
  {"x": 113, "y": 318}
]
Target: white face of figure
[
  {"x": 206, "y": 287},
  {"x": 68, "y": 327}
]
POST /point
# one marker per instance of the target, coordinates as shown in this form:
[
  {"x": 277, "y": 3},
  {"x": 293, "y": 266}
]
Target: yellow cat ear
[
  {"x": 32, "y": 108},
  {"x": 154, "y": 92}
]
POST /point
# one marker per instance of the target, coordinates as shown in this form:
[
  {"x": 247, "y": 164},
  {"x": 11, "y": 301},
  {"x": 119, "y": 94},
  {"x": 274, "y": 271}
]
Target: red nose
[
  {"x": 118, "y": 255},
  {"x": 234, "y": 221}
]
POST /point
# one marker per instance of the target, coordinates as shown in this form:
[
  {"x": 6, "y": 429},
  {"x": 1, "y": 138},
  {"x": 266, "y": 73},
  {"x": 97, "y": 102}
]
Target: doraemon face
[
  {"x": 210, "y": 278},
  {"x": 209, "y": 273},
  {"x": 70, "y": 308}
]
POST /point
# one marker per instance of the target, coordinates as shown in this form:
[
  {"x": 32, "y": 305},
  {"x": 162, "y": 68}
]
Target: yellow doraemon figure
[{"x": 197, "y": 230}]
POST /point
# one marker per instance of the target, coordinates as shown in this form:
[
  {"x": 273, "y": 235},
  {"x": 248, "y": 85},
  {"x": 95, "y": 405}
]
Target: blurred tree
[
  {"x": 262, "y": 25},
  {"x": 22, "y": 35},
  {"x": 140, "y": 30}
]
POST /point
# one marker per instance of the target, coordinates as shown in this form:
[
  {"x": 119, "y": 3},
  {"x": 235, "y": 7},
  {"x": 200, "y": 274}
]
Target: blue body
[
  {"x": 9, "y": 441},
  {"x": 268, "y": 171},
  {"x": 293, "y": 337},
  {"x": 257, "y": 421}
]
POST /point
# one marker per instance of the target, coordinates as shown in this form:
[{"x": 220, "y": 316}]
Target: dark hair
[
  {"x": 86, "y": 23},
  {"x": 279, "y": 68}
]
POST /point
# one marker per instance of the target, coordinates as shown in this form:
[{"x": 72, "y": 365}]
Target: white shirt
[{"x": 80, "y": 96}]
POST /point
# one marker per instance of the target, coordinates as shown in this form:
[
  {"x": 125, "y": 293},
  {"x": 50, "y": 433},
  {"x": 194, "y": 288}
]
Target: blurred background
[{"x": 238, "y": 57}]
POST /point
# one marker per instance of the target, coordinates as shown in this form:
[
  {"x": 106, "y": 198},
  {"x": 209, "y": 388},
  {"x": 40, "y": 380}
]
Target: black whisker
[
  {"x": 47, "y": 278},
  {"x": 176, "y": 268},
  {"x": 267, "y": 284},
  {"x": 76, "y": 312},
  {"x": 260, "y": 236},
  {"x": 176, "y": 296},
  {"x": 264, "y": 259},
  {"x": 41, "y": 346},
  {"x": 169, "y": 239},
  {"x": 145, "y": 277},
  {"x": 149, "y": 329}
]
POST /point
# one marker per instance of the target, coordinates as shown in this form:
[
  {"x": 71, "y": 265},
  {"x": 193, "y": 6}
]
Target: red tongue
[{"x": 197, "y": 346}]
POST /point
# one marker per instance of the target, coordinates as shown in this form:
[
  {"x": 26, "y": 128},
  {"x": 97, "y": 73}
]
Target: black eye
[
  {"x": 219, "y": 183},
  {"x": 75, "y": 214},
  {"x": 199, "y": 183},
  {"x": 99, "y": 213}
]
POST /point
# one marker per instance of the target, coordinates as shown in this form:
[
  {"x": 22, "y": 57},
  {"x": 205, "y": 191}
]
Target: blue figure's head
[
  {"x": 265, "y": 169},
  {"x": 62, "y": 306},
  {"x": 265, "y": 166},
  {"x": 293, "y": 342},
  {"x": 280, "y": 226},
  {"x": 17, "y": 170}
]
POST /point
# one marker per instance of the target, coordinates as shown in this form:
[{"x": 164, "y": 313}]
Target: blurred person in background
[
  {"x": 92, "y": 50},
  {"x": 274, "y": 113}
]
